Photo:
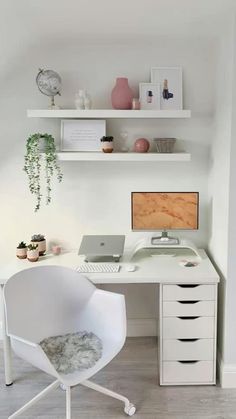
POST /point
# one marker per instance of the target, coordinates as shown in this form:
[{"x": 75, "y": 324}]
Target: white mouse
[{"x": 130, "y": 268}]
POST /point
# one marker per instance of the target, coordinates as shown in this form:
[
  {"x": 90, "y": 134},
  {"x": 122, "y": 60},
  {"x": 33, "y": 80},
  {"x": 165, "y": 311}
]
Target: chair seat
[{"x": 73, "y": 351}]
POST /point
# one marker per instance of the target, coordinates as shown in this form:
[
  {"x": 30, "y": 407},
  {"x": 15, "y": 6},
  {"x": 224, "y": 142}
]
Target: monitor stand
[
  {"x": 164, "y": 239},
  {"x": 158, "y": 243}
]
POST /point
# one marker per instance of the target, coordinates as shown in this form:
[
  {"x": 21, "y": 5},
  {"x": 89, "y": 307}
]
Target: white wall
[
  {"x": 219, "y": 174},
  {"x": 95, "y": 197},
  {"x": 222, "y": 192},
  {"x": 230, "y": 309}
]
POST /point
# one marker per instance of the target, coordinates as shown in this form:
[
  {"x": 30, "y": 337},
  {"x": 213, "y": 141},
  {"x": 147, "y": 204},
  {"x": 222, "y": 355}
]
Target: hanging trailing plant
[{"x": 33, "y": 165}]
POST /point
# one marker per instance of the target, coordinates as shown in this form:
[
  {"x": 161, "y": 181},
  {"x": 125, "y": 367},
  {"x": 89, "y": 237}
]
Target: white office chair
[{"x": 49, "y": 301}]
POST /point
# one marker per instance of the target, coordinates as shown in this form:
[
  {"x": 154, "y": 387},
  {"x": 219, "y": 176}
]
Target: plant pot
[
  {"x": 41, "y": 246},
  {"x": 107, "y": 146},
  {"x": 122, "y": 95},
  {"x": 21, "y": 253},
  {"x": 33, "y": 255},
  {"x": 41, "y": 145}
]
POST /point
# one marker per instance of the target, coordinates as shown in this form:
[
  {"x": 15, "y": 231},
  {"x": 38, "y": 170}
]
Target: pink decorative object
[
  {"x": 135, "y": 104},
  {"x": 56, "y": 250},
  {"x": 122, "y": 94},
  {"x": 141, "y": 145}
]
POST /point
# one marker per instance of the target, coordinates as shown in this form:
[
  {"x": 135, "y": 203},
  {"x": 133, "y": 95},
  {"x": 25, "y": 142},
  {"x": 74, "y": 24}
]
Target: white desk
[{"x": 164, "y": 270}]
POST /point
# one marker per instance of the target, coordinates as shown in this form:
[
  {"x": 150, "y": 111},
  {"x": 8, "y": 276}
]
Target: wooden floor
[{"x": 133, "y": 373}]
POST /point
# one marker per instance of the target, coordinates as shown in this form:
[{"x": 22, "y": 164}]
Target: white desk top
[{"x": 154, "y": 269}]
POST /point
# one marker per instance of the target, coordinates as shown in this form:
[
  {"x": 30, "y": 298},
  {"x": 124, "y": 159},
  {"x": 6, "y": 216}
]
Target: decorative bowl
[{"x": 164, "y": 145}]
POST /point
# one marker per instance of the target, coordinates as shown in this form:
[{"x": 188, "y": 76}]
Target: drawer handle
[
  {"x": 189, "y": 302},
  {"x": 188, "y": 285},
  {"x": 188, "y": 317},
  {"x": 189, "y": 340},
  {"x": 188, "y": 362}
]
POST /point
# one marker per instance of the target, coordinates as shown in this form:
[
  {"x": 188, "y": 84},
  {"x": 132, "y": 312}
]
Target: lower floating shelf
[{"x": 100, "y": 156}]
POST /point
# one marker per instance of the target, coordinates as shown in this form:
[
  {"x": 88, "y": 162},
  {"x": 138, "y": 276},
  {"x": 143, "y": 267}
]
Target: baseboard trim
[
  {"x": 226, "y": 373},
  {"x": 141, "y": 327}
]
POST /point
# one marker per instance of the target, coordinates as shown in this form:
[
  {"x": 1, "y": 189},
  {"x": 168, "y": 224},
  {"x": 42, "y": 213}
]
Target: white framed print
[
  {"x": 149, "y": 95},
  {"x": 170, "y": 81},
  {"x": 82, "y": 135}
]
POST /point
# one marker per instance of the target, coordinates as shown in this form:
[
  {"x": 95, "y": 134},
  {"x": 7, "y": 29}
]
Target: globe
[{"x": 49, "y": 83}]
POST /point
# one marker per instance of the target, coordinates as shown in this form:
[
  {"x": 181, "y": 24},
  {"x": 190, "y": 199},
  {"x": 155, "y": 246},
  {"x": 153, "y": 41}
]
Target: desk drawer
[
  {"x": 188, "y": 349},
  {"x": 201, "y": 372},
  {"x": 177, "y": 328},
  {"x": 188, "y": 308},
  {"x": 184, "y": 292}
]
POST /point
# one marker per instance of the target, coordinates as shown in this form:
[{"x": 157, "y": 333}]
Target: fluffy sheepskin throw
[{"x": 73, "y": 351}]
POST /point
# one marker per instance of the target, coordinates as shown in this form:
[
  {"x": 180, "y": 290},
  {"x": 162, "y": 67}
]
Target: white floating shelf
[
  {"x": 100, "y": 156},
  {"x": 106, "y": 113}
]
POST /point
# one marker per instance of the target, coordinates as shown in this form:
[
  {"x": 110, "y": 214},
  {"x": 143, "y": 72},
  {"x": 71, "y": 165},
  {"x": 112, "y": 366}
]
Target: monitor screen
[{"x": 164, "y": 211}]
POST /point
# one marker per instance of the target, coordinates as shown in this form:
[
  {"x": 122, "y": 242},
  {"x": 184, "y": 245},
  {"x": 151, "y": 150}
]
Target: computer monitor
[{"x": 155, "y": 211}]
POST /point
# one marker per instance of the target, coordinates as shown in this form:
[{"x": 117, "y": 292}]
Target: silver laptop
[{"x": 102, "y": 248}]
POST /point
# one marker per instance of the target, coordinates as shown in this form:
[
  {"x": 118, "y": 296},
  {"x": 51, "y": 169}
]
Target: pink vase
[{"x": 122, "y": 95}]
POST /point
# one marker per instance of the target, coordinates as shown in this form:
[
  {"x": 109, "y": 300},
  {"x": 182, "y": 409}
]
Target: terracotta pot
[
  {"x": 33, "y": 255},
  {"x": 122, "y": 95},
  {"x": 41, "y": 246},
  {"x": 21, "y": 253},
  {"x": 107, "y": 146}
]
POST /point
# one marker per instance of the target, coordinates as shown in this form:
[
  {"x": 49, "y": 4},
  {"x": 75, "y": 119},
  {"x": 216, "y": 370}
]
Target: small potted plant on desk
[
  {"x": 107, "y": 144},
  {"x": 21, "y": 250},
  {"x": 32, "y": 252},
  {"x": 40, "y": 240}
]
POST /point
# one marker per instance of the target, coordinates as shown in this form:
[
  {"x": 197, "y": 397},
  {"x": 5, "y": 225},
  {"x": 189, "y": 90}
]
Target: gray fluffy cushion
[{"x": 73, "y": 351}]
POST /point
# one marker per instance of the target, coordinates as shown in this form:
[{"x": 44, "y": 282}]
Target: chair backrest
[{"x": 45, "y": 301}]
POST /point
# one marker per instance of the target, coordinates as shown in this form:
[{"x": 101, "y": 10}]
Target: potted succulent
[
  {"x": 21, "y": 250},
  {"x": 40, "y": 240},
  {"x": 32, "y": 252},
  {"x": 107, "y": 144},
  {"x": 40, "y": 148}
]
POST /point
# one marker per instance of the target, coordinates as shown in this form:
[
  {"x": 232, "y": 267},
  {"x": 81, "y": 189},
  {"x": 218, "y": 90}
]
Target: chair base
[
  {"x": 43, "y": 393},
  {"x": 129, "y": 408}
]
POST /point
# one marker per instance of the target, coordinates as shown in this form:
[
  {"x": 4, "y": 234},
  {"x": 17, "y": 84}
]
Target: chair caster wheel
[
  {"x": 130, "y": 410},
  {"x": 63, "y": 387}
]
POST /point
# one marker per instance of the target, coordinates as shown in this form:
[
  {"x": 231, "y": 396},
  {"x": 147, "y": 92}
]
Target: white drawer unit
[
  {"x": 192, "y": 372},
  {"x": 187, "y": 342},
  {"x": 189, "y": 308},
  {"x": 182, "y": 292},
  {"x": 188, "y": 327},
  {"x": 188, "y": 349}
]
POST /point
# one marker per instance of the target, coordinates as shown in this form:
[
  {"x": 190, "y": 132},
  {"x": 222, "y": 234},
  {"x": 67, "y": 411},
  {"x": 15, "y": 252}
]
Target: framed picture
[
  {"x": 149, "y": 95},
  {"x": 82, "y": 135},
  {"x": 170, "y": 82}
]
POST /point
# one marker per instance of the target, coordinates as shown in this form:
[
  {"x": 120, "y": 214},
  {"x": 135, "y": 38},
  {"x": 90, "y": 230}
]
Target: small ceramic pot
[
  {"x": 56, "y": 250},
  {"x": 107, "y": 146},
  {"x": 21, "y": 253},
  {"x": 33, "y": 255},
  {"x": 41, "y": 246}
]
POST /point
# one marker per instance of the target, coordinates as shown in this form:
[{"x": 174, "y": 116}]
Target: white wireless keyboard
[{"x": 93, "y": 268}]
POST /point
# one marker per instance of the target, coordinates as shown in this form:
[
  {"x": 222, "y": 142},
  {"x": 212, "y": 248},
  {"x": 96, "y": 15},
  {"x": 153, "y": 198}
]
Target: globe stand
[{"x": 53, "y": 106}]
